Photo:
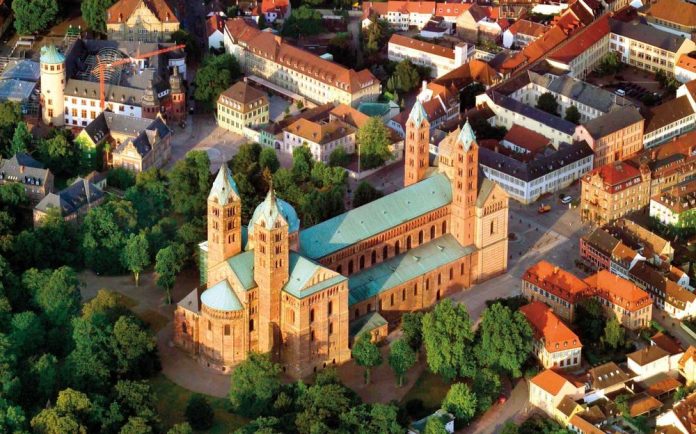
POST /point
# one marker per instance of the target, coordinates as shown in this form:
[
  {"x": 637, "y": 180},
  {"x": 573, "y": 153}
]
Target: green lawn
[
  {"x": 429, "y": 388},
  {"x": 171, "y": 404}
]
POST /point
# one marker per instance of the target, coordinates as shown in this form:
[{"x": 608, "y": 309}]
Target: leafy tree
[
  {"x": 621, "y": 402},
  {"x": 614, "y": 335},
  {"x": 505, "y": 339},
  {"x": 44, "y": 372},
  {"x": 215, "y": 75},
  {"x": 12, "y": 418},
  {"x": 547, "y": 102},
  {"x": 33, "y": 16},
  {"x": 136, "y": 425},
  {"x": 435, "y": 425},
  {"x": 56, "y": 294},
  {"x": 136, "y": 399},
  {"x": 412, "y": 329},
  {"x": 263, "y": 425},
  {"x": 168, "y": 263},
  {"x": 610, "y": 64},
  {"x": 340, "y": 47},
  {"x": 589, "y": 320},
  {"x": 510, "y": 428},
  {"x": 193, "y": 49},
  {"x": 374, "y": 35},
  {"x": 405, "y": 77},
  {"x": 448, "y": 339},
  {"x": 365, "y": 193},
  {"x": 136, "y": 255},
  {"x": 94, "y": 13},
  {"x": 52, "y": 244},
  {"x": 150, "y": 197},
  {"x": 486, "y": 386},
  {"x": 254, "y": 385},
  {"x": 10, "y": 117},
  {"x": 303, "y": 21},
  {"x": 269, "y": 160},
  {"x": 105, "y": 303},
  {"x": 181, "y": 428},
  {"x": 366, "y": 354},
  {"x": 134, "y": 348},
  {"x": 339, "y": 157},
  {"x": 199, "y": 413},
  {"x": 26, "y": 333},
  {"x": 60, "y": 153},
  {"x": 401, "y": 359},
  {"x": 121, "y": 178},
  {"x": 323, "y": 403},
  {"x": 106, "y": 229},
  {"x": 21, "y": 139},
  {"x": 375, "y": 418},
  {"x": 374, "y": 143},
  {"x": 461, "y": 402},
  {"x": 69, "y": 414},
  {"x": 572, "y": 115},
  {"x": 189, "y": 184}
]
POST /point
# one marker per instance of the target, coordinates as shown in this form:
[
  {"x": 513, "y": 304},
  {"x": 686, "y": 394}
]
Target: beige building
[
  {"x": 631, "y": 305},
  {"x": 141, "y": 20},
  {"x": 556, "y": 287},
  {"x": 582, "y": 54},
  {"x": 555, "y": 345},
  {"x": 440, "y": 59},
  {"x": 322, "y": 138},
  {"x": 673, "y": 16},
  {"x": 267, "y": 59},
  {"x": 547, "y": 390},
  {"x": 614, "y": 136},
  {"x": 242, "y": 106},
  {"x": 687, "y": 365},
  {"x": 33, "y": 175}
]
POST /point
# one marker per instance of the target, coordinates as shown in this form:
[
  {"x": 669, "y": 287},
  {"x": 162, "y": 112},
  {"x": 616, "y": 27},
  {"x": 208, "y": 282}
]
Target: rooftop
[
  {"x": 550, "y": 381},
  {"x": 123, "y": 9},
  {"x": 23, "y": 168},
  {"x": 667, "y": 113},
  {"x": 585, "y": 39},
  {"x": 69, "y": 200},
  {"x": 618, "y": 290},
  {"x": 615, "y": 176},
  {"x": 549, "y": 328},
  {"x": 647, "y": 355},
  {"x": 526, "y": 138},
  {"x": 607, "y": 375},
  {"x": 613, "y": 121},
  {"x": 426, "y": 47},
  {"x": 678, "y": 12},
  {"x": 320, "y": 132},
  {"x": 647, "y": 34},
  {"x": 602, "y": 241},
  {"x": 556, "y": 280},
  {"x": 243, "y": 93}
]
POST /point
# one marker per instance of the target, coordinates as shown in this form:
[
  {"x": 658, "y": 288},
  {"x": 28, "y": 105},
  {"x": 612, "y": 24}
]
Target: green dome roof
[
  {"x": 221, "y": 297},
  {"x": 270, "y": 209},
  {"x": 51, "y": 55},
  {"x": 224, "y": 186}
]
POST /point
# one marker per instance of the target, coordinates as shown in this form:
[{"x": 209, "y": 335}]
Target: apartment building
[
  {"x": 441, "y": 105},
  {"x": 676, "y": 207},
  {"x": 242, "y": 106},
  {"x": 685, "y": 71},
  {"x": 549, "y": 388},
  {"x": 597, "y": 248},
  {"x": 291, "y": 71},
  {"x": 71, "y": 203},
  {"x": 440, "y": 59},
  {"x": 555, "y": 345},
  {"x": 647, "y": 47},
  {"x": 522, "y": 33},
  {"x": 556, "y": 287},
  {"x": 673, "y": 16},
  {"x": 631, "y": 305},
  {"x": 22, "y": 169},
  {"x": 670, "y": 119},
  {"x": 404, "y": 14},
  {"x": 614, "y": 136},
  {"x": 322, "y": 137},
  {"x": 141, "y": 20},
  {"x": 582, "y": 54},
  {"x": 612, "y": 191}
]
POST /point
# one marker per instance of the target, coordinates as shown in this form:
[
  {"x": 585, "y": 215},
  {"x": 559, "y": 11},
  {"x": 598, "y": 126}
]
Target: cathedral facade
[{"x": 303, "y": 295}]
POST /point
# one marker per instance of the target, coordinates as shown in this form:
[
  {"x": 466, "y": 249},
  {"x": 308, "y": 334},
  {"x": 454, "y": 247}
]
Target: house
[
  {"x": 631, "y": 305},
  {"x": 402, "y": 14},
  {"x": 71, "y": 203},
  {"x": 548, "y": 388},
  {"x": 606, "y": 379},
  {"x": 685, "y": 69},
  {"x": 672, "y": 16},
  {"x": 671, "y": 346},
  {"x": 648, "y": 362},
  {"x": 440, "y": 59},
  {"x": 675, "y": 207},
  {"x": 523, "y": 32},
  {"x": 141, "y": 20},
  {"x": 473, "y": 71},
  {"x": 215, "y": 29},
  {"x": 667, "y": 120},
  {"x": 242, "y": 107},
  {"x": 321, "y": 137},
  {"x": 687, "y": 365},
  {"x": 555, "y": 345},
  {"x": 441, "y": 105},
  {"x": 25, "y": 170},
  {"x": 597, "y": 249},
  {"x": 566, "y": 409},
  {"x": 655, "y": 248},
  {"x": 584, "y": 51},
  {"x": 273, "y": 10},
  {"x": 682, "y": 416},
  {"x": 554, "y": 286},
  {"x": 614, "y": 136},
  {"x": 480, "y": 21}
]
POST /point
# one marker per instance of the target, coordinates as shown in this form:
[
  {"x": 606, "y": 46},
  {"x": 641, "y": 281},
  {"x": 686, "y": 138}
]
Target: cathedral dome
[
  {"x": 221, "y": 297},
  {"x": 270, "y": 209}
]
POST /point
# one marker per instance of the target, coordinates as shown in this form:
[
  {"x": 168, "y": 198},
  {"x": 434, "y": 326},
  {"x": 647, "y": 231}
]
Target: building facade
[
  {"x": 141, "y": 20},
  {"x": 558, "y": 288},
  {"x": 33, "y": 175},
  {"x": 614, "y": 136},
  {"x": 555, "y": 345},
  {"x": 441, "y": 60},
  {"x": 52, "y": 83},
  {"x": 71, "y": 203},
  {"x": 322, "y": 138},
  {"x": 293, "y": 293},
  {"x": 242, "y": 106},
  {"x": 619, "y": 297}
]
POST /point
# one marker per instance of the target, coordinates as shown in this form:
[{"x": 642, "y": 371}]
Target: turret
[
  {"x": 150, "y": 103},
  {"x": 52, "y": 86},
  {"x": 178, "y": 97},
  {"x": 417, "y": 145},
  {"x": 224, "y": 218},
  {"x": 464, "y": 185}
]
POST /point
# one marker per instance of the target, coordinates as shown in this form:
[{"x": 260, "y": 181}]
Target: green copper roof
[
  {"x": 366, "y": 323},
  {"x": 224, "y": 186},
  {"x": 466, "y": 135},
  {"x": 404, "y": 267},
  {"x": 51, "y": 55},
  {"x": 300, "y": 271},
  {"x": 270, "y": 209},
  {"x": 418, "y": 113},
  {"x": 221, "y": 297},
  {"x": 375, "y": 217}
]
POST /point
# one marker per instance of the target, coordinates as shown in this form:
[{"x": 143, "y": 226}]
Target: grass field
[
  {"x": 429, "y": 388},
  {"x": 171, "y": 404}
]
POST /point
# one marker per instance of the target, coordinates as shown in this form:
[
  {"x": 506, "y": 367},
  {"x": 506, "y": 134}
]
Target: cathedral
[{"x": 303, "y": 295}]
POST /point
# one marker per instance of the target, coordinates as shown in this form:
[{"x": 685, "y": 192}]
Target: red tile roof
[
  {"x": 616, "y": 176},
  {"x": 553, "y": 381},
  {"x": 687, "y": 62},
  {"x": 451, "y": 9},
  {"x": 544, "y": 44},
  {"x": 426, "y": 47},
  {"x": 122, "y": 10},
  {"x": 526, "y": 27},
  {"x": 214, "y": 24},
  {"x": 549, "y": 328},
  {"x": 585, "y": 39},
  {"x": 280, "y": 6},
  {"x": 618, "y": 291},
  {"x": 526, "y": 138},
  {"x": 556, "y": 281}
]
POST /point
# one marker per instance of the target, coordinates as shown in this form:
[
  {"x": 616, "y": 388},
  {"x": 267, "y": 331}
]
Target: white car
[{"x": 567, "y": 199}]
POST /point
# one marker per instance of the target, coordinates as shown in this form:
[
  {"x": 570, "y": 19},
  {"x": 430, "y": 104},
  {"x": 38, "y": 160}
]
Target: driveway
[{"x": 515, "y": 409}]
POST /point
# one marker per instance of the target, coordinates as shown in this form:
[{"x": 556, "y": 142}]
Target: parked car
[
  {"x": 567, "y": 199},
  {"x": 543, "y": 208},
  {"x": 620, "y": 92}
]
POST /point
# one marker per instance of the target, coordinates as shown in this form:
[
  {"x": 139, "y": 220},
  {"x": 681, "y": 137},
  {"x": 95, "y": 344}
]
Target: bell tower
[
  {"x": 224, "y": 218},
  {"x": 464, "y": 185},
  {"x": 271, "y": 269},
  {"x": 417, "y": 145}
]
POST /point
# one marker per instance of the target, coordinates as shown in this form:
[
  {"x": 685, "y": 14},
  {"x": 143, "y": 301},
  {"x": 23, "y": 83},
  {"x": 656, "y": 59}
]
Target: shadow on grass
[{"x": 430, "y": 389}]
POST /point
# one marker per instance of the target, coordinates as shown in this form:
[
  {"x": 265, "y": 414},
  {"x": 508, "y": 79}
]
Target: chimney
[
  {"x": 460, "y": 54},
  {"x": 21, "y": 169}
]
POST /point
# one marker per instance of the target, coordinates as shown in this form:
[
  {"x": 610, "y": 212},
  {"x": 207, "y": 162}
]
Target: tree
[
  {"x": 56, "y": 294},
  {"x": 44, "y": 372},
  {"x": 26, "y": 334},
  {"x": 182, "y": 37},
  {"x": 547, "y": 102},
  {"x": 572, "y": 115},
  {"x": 461, "y": 402},
  {"x": 60, "y": 153},
  {"x": 10, "y": 116},
  {"x": 510, "y": 428},
  {"x": 412, "y": 329},
  {"x": 435, "y": 425},
  {"x": 34, "y": 16},
  {"x": 136, "y": 255},
  {"x": 168, "y": 263},
  {"x": 374, "y": 35},
  {"x": 254, "y": 385},
  {"x": 303, "y": 21},
  {"x": 373, "y": 138},
  {"x": 365, "y": 193},
  {"x": 486, "y": 386},
  {"x": 401, "y": 359},
  {"x": 448, "y": 339},
  {"x": 269, "y": 160},
  {"x": 181, "y": 428},
  {"x": 21, "y": 140},
  {"x": 405, "y": 77},
  {"x": 339, "y": 157},
  {"x": 68, "y": 415},
  {"x": 106, "y": 229},
  {"x": 621, "y": 402},
  {"x": 610, "y": 64},
  {"x": 189, "y": 184},
  {"x": 589, "y": 320},
  {"x": 467, "y": 97},
  {"x": 134, "y": 349},
  {"x": 121, "y": 178},
  {"x": 323, "y": 404},
  {"x": 215, "y": 75},
  {"x": 199, "y": 413},
  {"x": 614, "y": 334},
  {"x": 505, "y": 339},
  {"x": 94, "y": 13},
  {"x": 372, "y": 418},
  {"x": 366, "y": 354},
  {"x": 136, "y": 425},
  {"x": 340, "y": 47}
]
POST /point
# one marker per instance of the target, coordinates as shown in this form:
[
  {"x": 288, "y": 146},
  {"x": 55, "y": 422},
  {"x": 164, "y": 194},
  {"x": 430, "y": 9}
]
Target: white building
[
  {"x": 321, "y": 137},
  {"x": 439, "y": 59},
  {"x": 215, "y": 28},
  {"x": 670, "y": 119},
  {"x": 648, "y": 362},
  {"x": 685, "y": 70},
  {"x": 522, "y": 33},
  {"x": 400, "y": 14}
]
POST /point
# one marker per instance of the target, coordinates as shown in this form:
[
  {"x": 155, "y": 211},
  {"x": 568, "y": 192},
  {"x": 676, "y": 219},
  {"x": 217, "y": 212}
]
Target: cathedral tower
[
  {"x": 177, "y": 112},
  {"x": 52, "y": 86},
  {"x": 417, "y": 145},
  {"x": 464, "y": 174},
  {"x": 224, "y": 218},
  {"x": 271, "y": 268}
]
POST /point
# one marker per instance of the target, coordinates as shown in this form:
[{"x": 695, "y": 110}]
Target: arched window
[
  {"x": 350, "y": 267},
  {"x": 330, "y": 308},
  {"x": 415, "y": 289},
  {"x": 385, "y": 253},
  {"x": 227, "y": 329},
  {"x": 311, "y": 315},
  {"x": 339, "y": 269},
  {"x": 437, "y": 296},
  {"x": 362, "y": 262},
  {"x": 439, "y": 279},
  {"x": 397, "y": 249},
  {"x": 251, "y": 325},
  {"x": 373, "y": 257},
  {"x": 432, "y": 232},
  {"x": 420, "y": 237},
  {"x": 451, "y": 273},
  {"x": 391, "y": 300},
  {"x": 408, "y": 243},
  {"x": 444, "y": 227},
  {"x": 403, "y": 294}
]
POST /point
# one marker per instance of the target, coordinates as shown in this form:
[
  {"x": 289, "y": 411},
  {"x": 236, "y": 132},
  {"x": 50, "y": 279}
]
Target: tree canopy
[
  {"x": 404, "y": 78},
  {"x": 365, "y": 193},
  {"x": 572, "y": 115},
  {"x": 94, "y": 13},
  {"x": 614, "y": 334},
  {"x": 448, "y": 339},
  {"x": 461, "y": 402},
  {"x": 215, "y": 75},
  {"x": 254, "y": 385},
  {"x": 34, "y": 16},
  {"x": 505, "y": 339},
  {"x": 401, "y": 358},
  {"x": 366, "y": 354},
  {"x": 547, "y": 102},
  {"x": 374, "y": 141},
  {"x": 303, "y": 21}
]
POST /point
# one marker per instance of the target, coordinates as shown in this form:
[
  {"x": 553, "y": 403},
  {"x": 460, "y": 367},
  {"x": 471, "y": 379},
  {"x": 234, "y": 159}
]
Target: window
[
  {"x": 350, "y": 267},
  {"x": 385, "y": 252},
  {"x": 444, "y": 227},
  {"x": 251, "y": 325},
  {"x": 330, "y": 308},
  {"x": 408, "y": 243},
  {"x": 311, "y": 336},
  {"x": 330, "y": 328},
  {"x": 373, "y": 257},
  {"x": 403, "y": 294},
  {"x": 311, "y": 315},
  {"x": 396, "y": 248},
  {"x": 420, "y": 237},
  {"x": 227, "y": 330},
  {"x": 183, "y": 328},
  {"x": 210, "y": 326},
  {"x": 357, "y": 313},
  {"x": 339, "y": 269},
  {"x": 432, "y": 232},
  {"x": 362, "y": 262}
]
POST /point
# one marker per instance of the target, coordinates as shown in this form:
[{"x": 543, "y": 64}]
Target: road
[{"x": 516, "y": 409}]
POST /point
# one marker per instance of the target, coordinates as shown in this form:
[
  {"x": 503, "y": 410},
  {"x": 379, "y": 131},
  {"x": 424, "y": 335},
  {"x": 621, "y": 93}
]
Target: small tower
[
  {"x": 464, "y": 185},
  {"x": 177, "y": 112},
  {"x": 52, "y": 86},
  {"x": 150, "y": 104},
  {"x": 224, "y": 218},
  {"x": 417, "y": 145},
  {"x": 271, "y": 268}
]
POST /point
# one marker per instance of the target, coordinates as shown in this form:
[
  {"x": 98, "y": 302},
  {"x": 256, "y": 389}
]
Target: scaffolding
[{"x": 105, "y": 56}]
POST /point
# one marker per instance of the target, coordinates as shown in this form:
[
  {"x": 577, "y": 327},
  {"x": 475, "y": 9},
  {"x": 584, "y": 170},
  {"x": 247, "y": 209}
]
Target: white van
[{"x": 620, "y": 92}]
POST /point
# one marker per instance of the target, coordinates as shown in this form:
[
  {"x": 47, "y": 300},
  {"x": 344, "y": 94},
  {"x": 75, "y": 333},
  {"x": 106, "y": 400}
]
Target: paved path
[{"x": 516, "y": 409}]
